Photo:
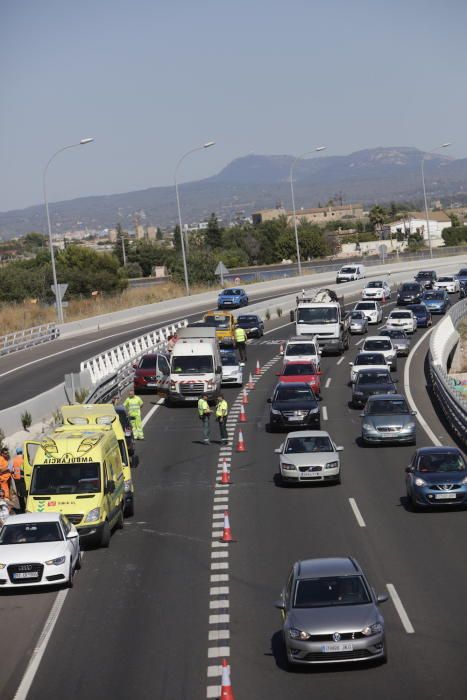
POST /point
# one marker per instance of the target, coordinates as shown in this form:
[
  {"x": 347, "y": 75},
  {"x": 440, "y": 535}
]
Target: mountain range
[{"x": 253, "y": 182}]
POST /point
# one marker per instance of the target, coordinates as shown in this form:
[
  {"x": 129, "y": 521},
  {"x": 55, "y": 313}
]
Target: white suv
[
  {"x": 371, "y": 309},
  {"x": 383, "y": 344},
  {"x": 402, "y": 318},
  {"x": 302, "y": 348},
  {"x": 378, "y": 290}
]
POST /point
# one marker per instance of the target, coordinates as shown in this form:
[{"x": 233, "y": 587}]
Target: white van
[
  {"x": 349, "y": 273},
  {"x": 195, "y": 366}
]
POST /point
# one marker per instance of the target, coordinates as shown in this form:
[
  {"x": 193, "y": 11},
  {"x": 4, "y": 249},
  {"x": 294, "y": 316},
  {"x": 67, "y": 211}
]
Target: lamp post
[
  {"x": 58, "y": 299},
  {"x": 307, "y": 153},
  {"x": 182, "y": 241},
  {"x": 443, "y": 145}
]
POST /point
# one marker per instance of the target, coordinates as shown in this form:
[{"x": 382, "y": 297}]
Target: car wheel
[
  {"x": 338, "y": 480},
  {"x": 130, "y": 509},
  {"x": 79, "y": 563},
  {"x": 414, "y": 504},
  {"x": 120, "y": 519},
  {"x": 105, "y": 536}
]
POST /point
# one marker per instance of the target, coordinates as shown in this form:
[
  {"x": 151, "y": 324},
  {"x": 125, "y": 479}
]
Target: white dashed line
[
  {"x": 328, "y": 382},
  {"x": 356, "y": 512},
  {"x": 407, "y": 625},
  {"x": 360, "y": 341},
  {"x": 324, "y": 411},
  {"x": 152, "y": 411},
  {"x": 340, "y": 360}
]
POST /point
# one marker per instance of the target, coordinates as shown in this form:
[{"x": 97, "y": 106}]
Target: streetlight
[
  {"x": 307, "y": 153},
  {"x": 58, "y": 299},
  {"x": 193, "y": 150},
  {"x": 443, "y": 145}
]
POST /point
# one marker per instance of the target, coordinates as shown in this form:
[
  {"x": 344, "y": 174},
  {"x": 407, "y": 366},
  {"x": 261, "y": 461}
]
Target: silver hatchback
[
  {"x": 331, "y": 614},
  {"x": 388, "y": 418}
]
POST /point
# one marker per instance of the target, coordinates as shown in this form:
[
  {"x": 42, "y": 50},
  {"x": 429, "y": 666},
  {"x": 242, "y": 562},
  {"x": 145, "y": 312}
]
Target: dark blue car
[
  {"x": 232, "y": 298},
  {"x": 422, "y": 314},
  {"x": 436, "y": 476},
  {"x": 436, "y": 300}
]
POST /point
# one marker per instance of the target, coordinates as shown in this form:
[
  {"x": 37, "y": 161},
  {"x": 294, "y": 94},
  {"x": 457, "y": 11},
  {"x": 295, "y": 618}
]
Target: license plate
[
  {"x": 150, "y": 384},
  {"x": 27, "y": 574},
  {"x": 327, "y": 648},
  {"x": 295, "y": 418},
  {"x": 445, "y": 496}
]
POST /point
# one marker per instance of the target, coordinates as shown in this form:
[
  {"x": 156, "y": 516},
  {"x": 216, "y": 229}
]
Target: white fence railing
[{"x": 27, "y": 338}]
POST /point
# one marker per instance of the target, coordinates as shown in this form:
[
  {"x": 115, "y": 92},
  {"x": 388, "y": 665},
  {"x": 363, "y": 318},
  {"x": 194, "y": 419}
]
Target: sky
[{"x": 151, "y": 79}]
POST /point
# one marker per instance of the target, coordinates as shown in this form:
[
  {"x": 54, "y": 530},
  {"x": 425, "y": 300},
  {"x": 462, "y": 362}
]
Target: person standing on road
[
  {"x": 240, "y": 341},
  {"x": 222, "y": 409},
  {"x": 5, "y": 472},
  {"x": 133, "y": 405},
  {"x": 17, "y": 468},
  {"x": 204, "y": 413}
]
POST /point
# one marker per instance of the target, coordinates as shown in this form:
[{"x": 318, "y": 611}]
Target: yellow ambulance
[
  {"x": 78, "y": 471},
  {"x": 224, "y": 323}
]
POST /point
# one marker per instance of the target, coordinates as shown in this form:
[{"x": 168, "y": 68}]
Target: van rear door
[
  {"x": 30, "y": 451},
  {"x": 162, "y": 375}
]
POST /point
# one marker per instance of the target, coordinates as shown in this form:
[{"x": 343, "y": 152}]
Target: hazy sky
[{"x": 150, "y": 79}]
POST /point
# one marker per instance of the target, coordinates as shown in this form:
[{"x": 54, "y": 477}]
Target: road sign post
[
  {"x": 59, "y": 293},
  {"x": 221, "y": 270}
]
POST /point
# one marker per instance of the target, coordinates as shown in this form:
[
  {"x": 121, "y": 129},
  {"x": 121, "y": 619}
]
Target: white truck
[
  {"x": 195, "y": 365},
  {"x": 321, "y": 314}
]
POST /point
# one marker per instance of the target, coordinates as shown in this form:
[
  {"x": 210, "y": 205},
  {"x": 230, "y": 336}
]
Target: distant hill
[{"x": 257, "y": 182}]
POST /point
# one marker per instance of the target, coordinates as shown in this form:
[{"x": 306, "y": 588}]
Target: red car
[
  {"x": 300, "y": 371},
  {"x": 152, "y": 374}
]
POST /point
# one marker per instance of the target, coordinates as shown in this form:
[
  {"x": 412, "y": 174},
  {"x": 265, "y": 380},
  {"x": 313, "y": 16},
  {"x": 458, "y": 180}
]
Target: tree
[
  {"x": 159, "y": 234},
  {"x": 378, "y": 215},
  {"x": 177, "y": 241},
  {"x": 454, "y": 235},
  {"x": 86, "y": 270},
  {"x": 455, "y": 221},
  {"x": 33, "y": 241},
  {"x": 213, "y": 234}
]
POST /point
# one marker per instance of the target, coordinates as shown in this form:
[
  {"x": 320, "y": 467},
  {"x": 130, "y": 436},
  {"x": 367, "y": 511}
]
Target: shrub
[
  {"x": 26, "y": 420},
  {"x": 81, "y": 395},
  {"x": 267, "y": 315},
  {"x": 279, "y": 312}
]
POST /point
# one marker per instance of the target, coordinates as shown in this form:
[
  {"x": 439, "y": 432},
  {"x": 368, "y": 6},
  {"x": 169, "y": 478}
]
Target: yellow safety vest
[
  {"x": 203, "y": 407},
  {"x": 133, "y": 404},
  {"x": 240, "y": 335},
  {"x": 222, "y": 409}
]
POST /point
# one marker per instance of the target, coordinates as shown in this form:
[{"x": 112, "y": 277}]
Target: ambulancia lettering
[{"x": 67, "y": 459}]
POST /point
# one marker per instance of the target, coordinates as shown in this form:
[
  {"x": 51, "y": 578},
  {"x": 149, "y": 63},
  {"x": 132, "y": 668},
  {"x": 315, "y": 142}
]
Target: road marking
[
  {"x": 409, "y": 395},
  {"x": 360, "y": 341},
  {"x": 324, "y": 411},
  {"x": 222, "y": 619},
  {"x": 219, "y": 590},
  {"x": 216, "y": 635},
  {"x": 356, "y": 512},
  {"x": 152, "y": 411},
  {"x": 340, "y": 360},
  {"x": 407, "y": 625},
  {"x": 216, "y": 652},
  {"x": 328, "y": 381}
]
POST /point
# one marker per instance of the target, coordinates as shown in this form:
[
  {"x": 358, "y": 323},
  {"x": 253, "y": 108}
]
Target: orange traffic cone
[
  {"x": 258, "y": 368},
  {"x": 227, "y": 532},
  {"x": 250, "y": 384},
  {"x": 244, "y": 397},
  {"x": 240, "y": 444},
  {"x": 225, "y": 478},
  {"x": 242, "y": 418},
  {"x": 226, "y": 687}
]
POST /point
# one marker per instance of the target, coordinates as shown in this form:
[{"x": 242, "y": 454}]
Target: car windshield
[
  {"x": 30, "y": 533},
  {"x": 247, "y": 320},
  {"x": 374, "y": 285},
  {"x": 463, "y": 272},
  {"x": 229, "y": 359},
  {"x": 300, "y": 349},
  {"x": 330, "y": 591},
  {"x": 192, "y": 364},
  {"x": 299, "y": 445},
  {"x": 386, "y": 407},
  {"x": 299, "y": 369},
  {"x": 366, "y": 306},
  {"x": 399, "y": 314},
  {"x": 298, "y": 393},
  {"x": 148, "y": 362},
  {"x": 418, "y": 308},
  {"x": 441, "y": 462},
  {"x": 63, "y": 478},
  {"x": 317, "y": 314},
  {"x": 348, "y": 270},
  {"x": 433, "y": 295},
  {"x": 394, "y": 334},
  {"x": 445, "y": 279},
  {"x": 232, "y": 292},
  {"x": 377, "y": 344},
  {"x": 217, "y": 321},
  {"x": 410, "y": 288},
  {"x": 370, "y": 358},
  {"x": 359, "y": 315},
  {"x": 374, "y": 378},
  {"x": 423, "y": 273}
]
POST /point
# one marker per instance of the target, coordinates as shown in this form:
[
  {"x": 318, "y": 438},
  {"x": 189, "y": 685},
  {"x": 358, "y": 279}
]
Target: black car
[
  {"x": 251, "y": 324},
  {"x": 409, "y": 293},
  {"x": 436, "y": 476},
  {"x": 426, "y": 278},
  {"x": 294, "y": 405},
  {"x": 370, "y": 382}
]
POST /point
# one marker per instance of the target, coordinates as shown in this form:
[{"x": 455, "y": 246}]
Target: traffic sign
[
  {"x": 221, "y": 270},
  {"x": 383, "y": 249},
  {"x": 61, "y": 289}
]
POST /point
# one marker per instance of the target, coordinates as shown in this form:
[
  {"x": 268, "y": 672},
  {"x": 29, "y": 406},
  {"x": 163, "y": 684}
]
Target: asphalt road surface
[{"x": 152, "y": 616}]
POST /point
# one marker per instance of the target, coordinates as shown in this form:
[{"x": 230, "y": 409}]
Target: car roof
[
  {"x": 301, "y": 339},
  {"x": 438, "y": 450},
  {"x": 372, "y": 337},
  {"x": 300, "y": 362},
  {"x": 393, "y": 397},
  {"x": 335, "y": 566},
  {"x": 307, "y": 433},
  {"x": 291, "y": 385},
  {"x": 33, "y": 518}
]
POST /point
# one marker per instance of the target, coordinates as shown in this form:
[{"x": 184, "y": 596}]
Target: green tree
[
  {"x": 378, "y": 215},
  {"x": 86, "y": 270},
  {"x": 177, "y": 241},
  {"x": 213, "y": 234},
  {"x": 455, "y": 221},
  {"x": 159, "y": 234},
  {"x": 33, "y": 241},
  {"x": 454, "y": 235}
]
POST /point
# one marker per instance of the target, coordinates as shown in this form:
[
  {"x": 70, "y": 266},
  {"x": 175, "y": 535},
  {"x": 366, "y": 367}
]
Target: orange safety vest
[
  {"x": 5, "y": 477},
  {"x": 18, "y": 468}
]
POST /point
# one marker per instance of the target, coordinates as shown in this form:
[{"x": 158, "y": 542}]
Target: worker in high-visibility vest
[
  {"x": 204, "y": 413},
  {"x": 240, "y": 342},
  {"x": 222, "y": 409},
  {"x": 17, "y": 472},
  {"x": 133, "y": 405}
]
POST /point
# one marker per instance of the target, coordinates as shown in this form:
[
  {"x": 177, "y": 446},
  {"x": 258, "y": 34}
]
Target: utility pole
[{"x": 123, "y": 250}]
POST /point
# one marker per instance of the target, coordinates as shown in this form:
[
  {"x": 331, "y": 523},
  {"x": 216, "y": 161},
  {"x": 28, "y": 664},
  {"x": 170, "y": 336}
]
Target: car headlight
[
  {"x": 367, "y": 426},
  {"x": 332, "y": 465},
  {"x": 464, "y": 481},
  {"x": 314, "y": 410},
  {"x": 2, "y": 566},
  {"x": 291, "y": 467},
  {"x": 93, "y": 514},
  {"x": 127, "y": 485},
  {"x": 420, "y": 482},
  {"x": 409, "y": 427},
  {"x": 56, "y": 562},
  {"x": 275, "y": 412},
  {"x": 358, "y": 393},
  {"x": 298, "y": 634},
  {"x": 376, "y": 628}
]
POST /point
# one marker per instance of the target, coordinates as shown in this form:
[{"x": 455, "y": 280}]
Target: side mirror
[
  {"x": 110, "y": 486},
  {"x": 269, "y": 400},
  {"x": 413, "y": 413},
  {"x": 339, "y": 449},
  {"x": 319, "y": 373},
  {"x": 279, "y": 604},
  {"x": 408, "y": 470},
  {"x": 218, "y": 370},
  {"x": 135, "y": 366},
  {"x": 351, "y": 364},
  {"x": 72, "y": 535},
  {"x": 395, "y": 381},
  {"x": 278, "y": 450},
  {"x": 134, "y": 461},
  {"x": 320, "y": 352},
  {"x": 292, "y": 316},
  {"x": 382, "y": 598}
]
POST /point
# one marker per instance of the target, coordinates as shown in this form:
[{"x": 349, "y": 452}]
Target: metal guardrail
[
  {"x": 444, "y": 339},
  {"x": 27, "y": 338}
]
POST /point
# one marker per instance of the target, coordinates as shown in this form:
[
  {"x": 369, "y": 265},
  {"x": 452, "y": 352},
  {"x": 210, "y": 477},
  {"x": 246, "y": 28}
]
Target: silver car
[
  {"x": 309, "y": 455},
  {"x": 388, "y": 418},
  {"x": 358, "y": 322},
  {"x": 331, "y": 614},
  {"x": 232, "y": 371},
  {"x": 400, "y": 340}
]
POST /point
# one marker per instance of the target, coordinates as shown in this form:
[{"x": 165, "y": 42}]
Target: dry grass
[{"x": 16, "y": 317}]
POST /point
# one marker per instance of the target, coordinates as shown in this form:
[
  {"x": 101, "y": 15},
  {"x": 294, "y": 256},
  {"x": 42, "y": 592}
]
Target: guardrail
[
  {"x": 443, "y": 342},
  {"x": 27, "y": 338}
]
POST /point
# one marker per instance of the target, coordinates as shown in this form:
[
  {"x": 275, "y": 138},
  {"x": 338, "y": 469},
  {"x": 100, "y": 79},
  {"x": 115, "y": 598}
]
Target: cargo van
[
  {"x": 224, "y": 323},
  {"x": 349, "y": 273},
  {"x": 97, "y": 415},
  {"x": 78, "y": 471},
  {"x": 195, "y": 365}
]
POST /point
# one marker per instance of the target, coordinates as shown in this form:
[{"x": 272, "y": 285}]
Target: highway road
[{"x": 153, "y": 616}]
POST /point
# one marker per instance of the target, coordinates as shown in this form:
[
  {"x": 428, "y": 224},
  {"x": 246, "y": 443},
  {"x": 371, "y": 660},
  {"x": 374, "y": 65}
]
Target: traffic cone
[
  {"x": 244, "y": 397},
  {"x": 281, "y": 349},
  {"x": 241, "y": 443},
  {"x": 225, "y": 478},
  {"x": 258, "y": 368},
  {"x": 227, "y": 532},
  {"x": 250, "y": 384},
  {"x": 242, "y": 418},
  {"x": 226, "y": 687}
]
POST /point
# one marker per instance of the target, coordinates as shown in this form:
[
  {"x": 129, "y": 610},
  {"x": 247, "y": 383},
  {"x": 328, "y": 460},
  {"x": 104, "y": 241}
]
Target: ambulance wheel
[
  {"x": 105, "y": 536},
  {"x": 119, "y": 523}
]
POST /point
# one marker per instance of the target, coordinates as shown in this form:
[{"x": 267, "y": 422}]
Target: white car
[
  {"x": 232, "y": 371},
  {"x": 303, "y": 348},
  {"x": 366, "y": 360},
  {"x": 378, "y": 290},
  {"x": 38, "y": 549},
  {"x": 404, "y": 319},
  {"x": 371, "y": 309},
  {"x": 383, "y": 344},
  {"x": 449, "y": 283},
  {"x": 309, "y": 455}
]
